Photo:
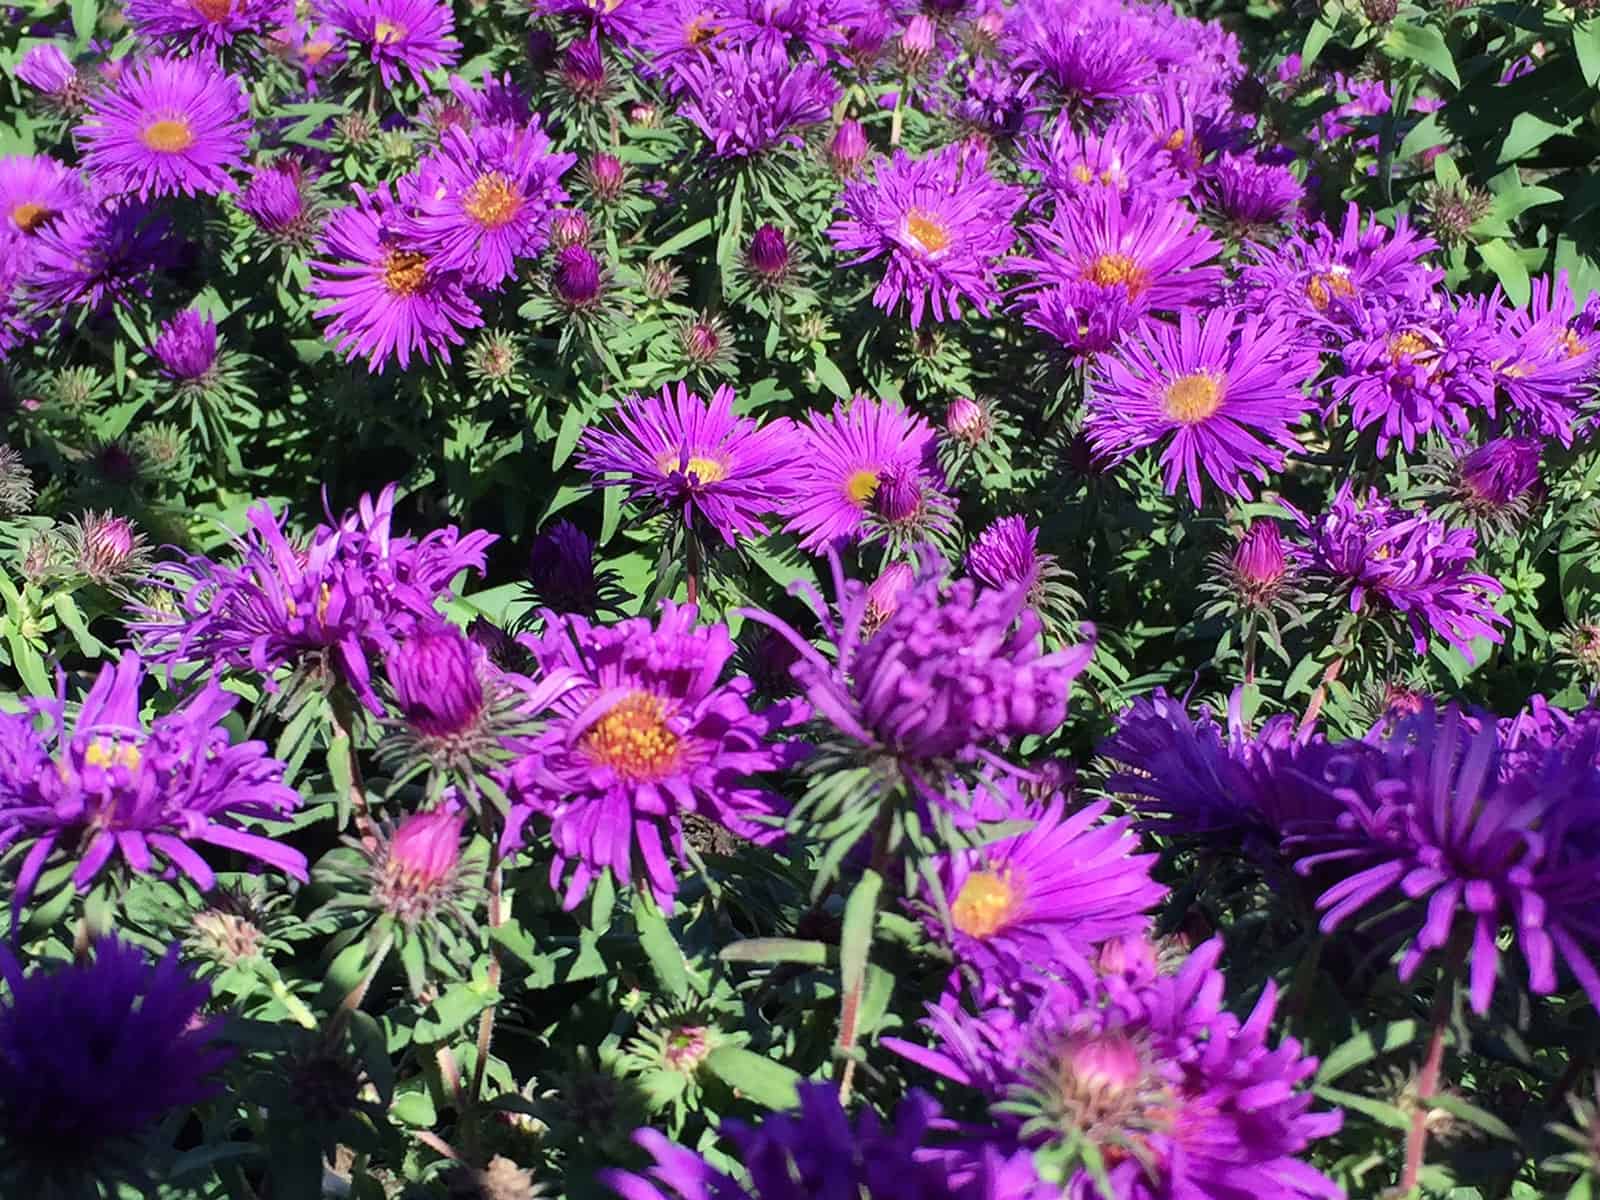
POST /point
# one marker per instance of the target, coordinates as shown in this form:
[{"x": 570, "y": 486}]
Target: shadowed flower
[
  {"x": 386, "y": 299},
  {"x": 647, "y": 736},
  {"x": 276, "y": 199},
  {"x": 680, "y": 454},
  {"x": 167, "y": 125},
  {"x": 562, "y": 575},
  {"x": 941, "y": 223},
  {"x": 96, "y": 257},
  {"x": 1227, "y": 390},
  {"x": 1250, "y": 193},
  {"x": 111, "y": 786},
  {"x": 120, "y": 1025}
]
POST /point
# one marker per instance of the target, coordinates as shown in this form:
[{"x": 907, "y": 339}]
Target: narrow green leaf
[
  {"x": 678, "y": 241},
  {"x": 1322, "y": 29},
  {"x": 1384, "y": 1114},
  {"x": 85, "y": 16},
  {"x": 1424, "y": 135},
  {"x": 414, "y": 1109},
  {"x": 1364, "y": 1047},
  {"x": 760, "y": 1079},
  {"x": 1527, "y": 133},
  {"x": 855, "y": 945},
  {"x": 655, "y": 936},
  {"x": 777, "y": 950}
]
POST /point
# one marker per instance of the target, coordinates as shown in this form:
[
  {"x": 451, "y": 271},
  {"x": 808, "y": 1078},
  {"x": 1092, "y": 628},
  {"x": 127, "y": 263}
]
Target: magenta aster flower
[
  {"x": 1142, "y": 256},
  {"x": 1546, "y": 357},
  {"x": 1325, "y": 281},
  {"x": 942, "y": 222},
  {"x": 1407, "y": 564},
  {"x": 748, "y": 100},
  {"x": 166, "y": 125},
  {"x": 351, "y": 589},
  {"x": 1251, "y": 193},
  {"x": 1124, "y": 157},
  {"x": 48, "y": 70},
  {"x": 192, "y": 23},
  {"x": 120, "y": 1026},
  {"x": 186, "y": 347},
  {"x": 1006, "y": 554},
  {"x": 678, "y": 453},
  {"x": 1228, "y": 391},
  {"x": 1040, "y": 902},
  {"x": 401, "y": 36},
  {"x": 35, "y": 189},
  {"x": 1177, "y": 1095},
  {"x": 954, "y": 671},
  {"x": 676, "y": 33},
  {"x": 1436, "y": 823},
  {"x": 1417, "y": 370},
  {"x": 1499, "y": 473},
  {"x": 484, "y": 199},
  {"x": 1092, "y": 54},
  {"x": 386, "y": 298},
  {"x": 847, "y": 456},
  {"x": 96, "y": 257},
  {"x": 647, "y": 735},
  {"x": 276, "y": 198},
  {"x": 109, "y": 785}
]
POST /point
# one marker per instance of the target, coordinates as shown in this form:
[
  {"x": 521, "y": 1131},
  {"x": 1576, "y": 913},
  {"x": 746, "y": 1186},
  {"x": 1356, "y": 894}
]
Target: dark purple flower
[
  {"x": 186, "y": 346},
  {"x": 583, "y": 69},
  {"x": 1501, "y": 472},
  {"x": 562, "y": 572},
  {"x": 96, "y": 257},
  {"x": 748, "y": 101},
  {"x": 648, "y": 734},
  {"x": 110, "y": 786},
  {"x": 120, "y": 1026},
  {"x": 437, "y": 683},
  {"x": 768, "y": 253},
  {"x": 576, "y": 279},
  {"x": 275, "y": 199},
  {"x": 1006, "y": 554},
  {"x": 1252, "y": 193}
]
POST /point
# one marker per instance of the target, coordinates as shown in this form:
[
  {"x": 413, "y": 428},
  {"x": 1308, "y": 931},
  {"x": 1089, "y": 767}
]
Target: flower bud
[
  {"x": 848, "y": 149},
  {"x": 275, "y": 200},
  {"x": 661, "y": 280},
  {"x": 703, "y": 340},
  {"x": 884, "y": 593},
  {"x": 186, "y": 347},
  {"x": 106, "y": 547},
  {"x": 569, "y": 228},
  {"x": 436, "y": 682},
  {"x": 1259, "y": 562},
  {"x": 425, "y": 848},
  {"x": 899, "y": 497},
  {"x": 583, "y": 70},
  {"x": 646, "y": 116},
  {"x": 768, "y": 254},
  {"x": 50, "y": 72},
  {"x": 576, "y": 280},
  {"x": 966, "y": 421},
  {"x": 606, "y": 177},
  {"x": 1500, "y": 472},
  {"x": 561, "y": 569},
  {"x": 916, "y": 43}
]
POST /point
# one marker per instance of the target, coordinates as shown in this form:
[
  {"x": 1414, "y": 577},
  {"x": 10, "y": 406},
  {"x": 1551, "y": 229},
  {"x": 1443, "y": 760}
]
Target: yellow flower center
[
  {"x": 404, "y": 272},
  {"x": 1176, "y": 140},
  {"x": 1192, "y": 398},
  {"x": 707, "y": 470},
  {"x": 213, "y": 10},
  {"x": 315, "y": 52},
  {"x": 927, "y": 231},
  {"x": 1114, "y": 270},
  {"x": 987, "y": 901},
  {"x": 1322, "y": 288},
  {"x": 1082, "y": 173},
  {"x": 700, "y": 30},
  {"x": 1569, "y": 340},
  {"x": 28, "y": 216},
  {"x": 633, "y": 739},
  {"x": 168, "y": 136},
  {"x": 1407, "y": 345},
  {"x": 387, "y": 33},
  {"x": 322, "y": 602},
  {"x": 108, "y": 752},
  {"x": 861, "y": 487},
  {"x": 491, "y": 202}
]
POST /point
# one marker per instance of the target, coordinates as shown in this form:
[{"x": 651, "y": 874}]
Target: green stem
[
  {"x": 296, "y": 1006},
  {"x": 486, "y": 1021}
]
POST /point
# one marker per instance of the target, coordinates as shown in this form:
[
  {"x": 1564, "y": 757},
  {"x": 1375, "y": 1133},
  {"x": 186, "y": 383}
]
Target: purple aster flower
[
  {"x": 1435, "y": 822},
  {"x": 108, "y": 785},
  {"x": 1192, "y": 777},
  {"x": 351, "y": 589},
  {"x": 1499, "y": 474},
  {"x": 767, "y": 256},
  {"x": 186, "y": 347},
  {"x": 204, "y": 22},
  {"x": 1007, "y": 554},
  {"x": 493, "y": 101},
  {"x": 96, "y": 257},
  {"x": 1040, "y": 902},
  {"x": 484, "y": 199},
  {"x": 677, "y": 33},
  {"x": 1260, "y": 562},
  {"x": 647, "y": 736},
  {"x": 997, "y": 102},
  {"x": 1176, "y": 1095},
  {"x": 1546, "y": 357},
  {"x": 847, "y": 456},
  {"x": 1251, "y": 193},
  {"x": 437, "y": 683},
  {"x": 954, "y": 671},
  {"x": 386, "y": 298},
  {"x": 576, "y": 279},
  {"x": 1414, "y": 370},
  {"x": 48, "y": 70},
  {"x": 120, "y": 1026},
  {"x": 749, "y": 100},
  {"x": 620, "y": 20},
  {"x": 1228, "y": 390},
  {"x": 941, "y": 221},
  {"x": 561, "y": 572},
  {"x": 1098, "y": 254},
  {"x": 848, "y": 148},
  {"x": 1408, "y": 564},
  {"x": 1325, "y": 281},
  {"x": 414, "y": 36},
  {"x": 583, "y": 70},
  {"x": 678, "y": 453},
  {"x": 35, "y": 190},
  {"x": 822, "y": 1153},
  {"x": 166, "y": 125},
  {"x": 1092, "y": 54},
  {"x": 1122, "y": 157},
  {"x": 812, "y": 29},
  {"x": 276, "y": 199}
]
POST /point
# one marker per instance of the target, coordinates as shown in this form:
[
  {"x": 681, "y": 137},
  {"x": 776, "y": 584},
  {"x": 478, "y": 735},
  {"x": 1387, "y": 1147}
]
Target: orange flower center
[
  {"x": 168, "y": 136},
  {"x": 861, "y": 487},
  {"x": 28, "y": 216},
  {"x": 927, "y": 231},
  {"x": 1569, "y": 340},
  {"x": 315, "y": 52},
  {"x": 1407, "y": 345},
  {"x": 386, "y": 33},
  {"x": 1176, "y": 140},
  {"x": 633, "y": 739},
  {"x": 987, "y": 901},
  {"x": 491, "y": 202},
  {"x": 706, "y": 469},
  {"x": 213, "y": 10},
  {"x": 1322, "y": 288},
  {"x": 404, "y": 272},
  {"x": 1117, "y": 270},
  {"x": 700, "y": 30},
  {"x": 1192, "y": 398}
]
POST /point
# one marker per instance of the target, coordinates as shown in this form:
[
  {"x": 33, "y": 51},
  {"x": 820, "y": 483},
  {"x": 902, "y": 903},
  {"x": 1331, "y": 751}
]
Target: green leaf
[
  {"x": 666, "y": 959},
  {"x": 1527, "y": 132},
  {"x": 1586, "y": 41},
  {"x": 830, "y": 377},
  {"x": 752, "y": 1075},
  {"x": 678, "y": 241},
  {"x": 777, "y": 950},
  {"x": 414, "y": 1109},
  {"x": 1424, "y": 135},
  {"x": 85, "y": 16},
  {"x": 1423, "y": 44},
  {"x": 1508, "y": 267},
  {"x": 459, "y": 1004},
  {"x": 1364, "y": 1047},
  {"x": 1384, "y": 1114},
  {"x": 572, "y": 426},
  {"x": 855, "y": 945},
  {"x": 1322, "y": 29}
]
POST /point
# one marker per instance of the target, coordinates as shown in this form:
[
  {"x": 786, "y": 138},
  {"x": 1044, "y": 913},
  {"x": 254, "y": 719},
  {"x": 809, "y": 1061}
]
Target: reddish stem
[
  {"x": 1428, "y": 1077},
  {"x": 1320, "y": 696}
]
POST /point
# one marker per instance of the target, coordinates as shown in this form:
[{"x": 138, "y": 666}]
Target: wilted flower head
[
  {"x": 120, "y": 1025},
  {"x": 16, "y": 484}
]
